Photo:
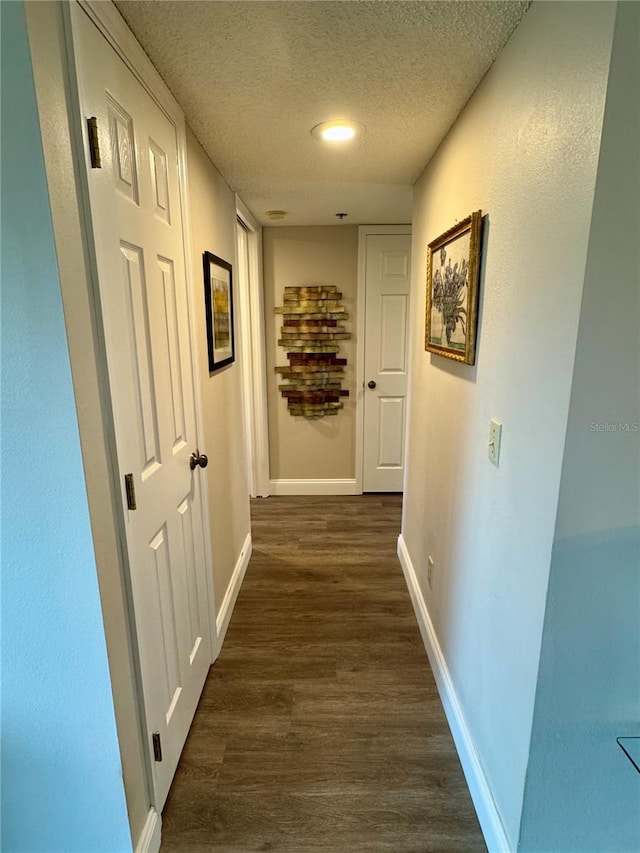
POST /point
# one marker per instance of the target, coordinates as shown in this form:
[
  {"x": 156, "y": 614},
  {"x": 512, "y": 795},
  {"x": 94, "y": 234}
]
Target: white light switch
[{"x": 495, "y": 435}]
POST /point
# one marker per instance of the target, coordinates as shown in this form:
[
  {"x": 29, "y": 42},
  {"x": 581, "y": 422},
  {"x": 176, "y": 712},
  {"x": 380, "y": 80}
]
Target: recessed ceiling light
[
  {"x": 340, "y": 130},
  {"x": 338, "y": 133}
]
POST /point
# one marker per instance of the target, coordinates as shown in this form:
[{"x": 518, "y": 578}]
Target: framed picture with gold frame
[
  {"x": 218, "y": 303},
  {"x": 453, "y": 270}
]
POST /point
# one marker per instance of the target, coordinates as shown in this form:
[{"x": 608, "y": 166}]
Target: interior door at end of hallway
[
  {"x": 387, "y": 285},
  {"x": 141, "y": 264}
]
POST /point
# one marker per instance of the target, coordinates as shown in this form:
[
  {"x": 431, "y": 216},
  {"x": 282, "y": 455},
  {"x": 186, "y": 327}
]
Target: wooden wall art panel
[{"x": 311, "y": 335}]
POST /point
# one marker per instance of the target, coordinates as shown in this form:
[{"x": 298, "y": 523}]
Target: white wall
[
  {"x": 524, "y": 150},
  {"x": 582, "y": 793}
]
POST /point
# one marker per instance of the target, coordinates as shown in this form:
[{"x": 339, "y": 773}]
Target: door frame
[
  {"x": 112, "y": 26},
  {"x": 365, "y": 231},
  {"x": 253, "y": 362}
]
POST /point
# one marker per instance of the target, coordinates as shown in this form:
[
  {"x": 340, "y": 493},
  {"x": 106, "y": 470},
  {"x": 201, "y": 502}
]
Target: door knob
[
  {"x": 198, "y": 458},
  {"x": 371, "y": 383}
]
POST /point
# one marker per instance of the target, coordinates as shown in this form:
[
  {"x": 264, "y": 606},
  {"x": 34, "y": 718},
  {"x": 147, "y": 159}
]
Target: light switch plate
[{"x": 495, "y": 436}]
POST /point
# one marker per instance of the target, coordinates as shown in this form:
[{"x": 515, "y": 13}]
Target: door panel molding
[{"x": 113, "y": 27}]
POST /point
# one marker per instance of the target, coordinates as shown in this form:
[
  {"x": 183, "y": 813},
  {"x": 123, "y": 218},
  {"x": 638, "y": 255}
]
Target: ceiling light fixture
[
  {"x": 276, "y": 214},
  {"x": 340, "y": 130}
]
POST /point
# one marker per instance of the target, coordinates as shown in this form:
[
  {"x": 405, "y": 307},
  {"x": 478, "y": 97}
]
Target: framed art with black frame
[{"x": 218, "y": 301}]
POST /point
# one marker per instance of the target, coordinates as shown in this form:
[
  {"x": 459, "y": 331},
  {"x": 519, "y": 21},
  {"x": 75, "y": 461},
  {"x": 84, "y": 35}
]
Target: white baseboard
[
  {"x": 228, "y": 603},
  {"x": 314, "y": 487},
  {"x": 492, "y": 828},
  {"x": 149, "y": 840}
]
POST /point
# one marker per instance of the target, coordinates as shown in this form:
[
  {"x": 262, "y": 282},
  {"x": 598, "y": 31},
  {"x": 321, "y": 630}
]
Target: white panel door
[
  {"x": 140, "y": 253},
  {"x": 387, "y": 282}
]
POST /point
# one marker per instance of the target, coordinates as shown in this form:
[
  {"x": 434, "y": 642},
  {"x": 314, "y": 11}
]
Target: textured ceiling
[{"x": 253, "y": 78}]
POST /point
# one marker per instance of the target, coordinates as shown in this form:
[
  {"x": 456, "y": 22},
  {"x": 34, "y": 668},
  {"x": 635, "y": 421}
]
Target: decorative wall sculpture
[{"x": 311, "y": 335}]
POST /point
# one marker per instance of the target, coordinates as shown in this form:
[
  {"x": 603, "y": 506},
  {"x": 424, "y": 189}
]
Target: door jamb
[
  {"x": 254, "y": 372},
  {"x": 365, "y": 231}
]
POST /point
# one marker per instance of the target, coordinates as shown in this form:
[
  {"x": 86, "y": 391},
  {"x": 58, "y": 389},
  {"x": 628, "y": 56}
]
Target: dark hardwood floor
[{"x": 320, "y": 729}]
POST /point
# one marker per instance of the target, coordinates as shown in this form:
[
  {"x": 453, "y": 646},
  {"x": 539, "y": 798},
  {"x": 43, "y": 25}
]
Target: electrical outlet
[
  {"x": 430, "y": 572},
  {"x": 495, "y": 436}
]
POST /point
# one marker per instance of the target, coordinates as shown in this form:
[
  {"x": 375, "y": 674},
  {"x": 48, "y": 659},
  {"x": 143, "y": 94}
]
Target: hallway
[{"x": 320, "y": 729}]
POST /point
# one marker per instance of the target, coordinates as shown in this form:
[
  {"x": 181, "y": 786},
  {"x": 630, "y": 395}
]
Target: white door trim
[
  {"x": 365, "y": 231},
  {"x": 149, "y": 840},
  {"x": 254, "y": 368}
]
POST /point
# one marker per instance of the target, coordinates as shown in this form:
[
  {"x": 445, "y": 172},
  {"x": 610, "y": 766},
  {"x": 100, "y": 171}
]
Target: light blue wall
[
  {"x": 582, "y": 794},
  {"x": 61, "y": 777}
]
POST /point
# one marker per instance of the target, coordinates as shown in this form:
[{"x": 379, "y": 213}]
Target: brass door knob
[{"x": 198, "y": 458}]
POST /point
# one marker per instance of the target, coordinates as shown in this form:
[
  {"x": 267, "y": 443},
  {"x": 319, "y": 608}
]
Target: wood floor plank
[{"x": 320, "y": 729}]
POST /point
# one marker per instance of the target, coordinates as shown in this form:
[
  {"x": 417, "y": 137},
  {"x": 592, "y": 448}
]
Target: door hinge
[
  {"x": 157, "y": 746},
  {"x": 94, "y": 143},
  {"x": 131, "y": 491}
]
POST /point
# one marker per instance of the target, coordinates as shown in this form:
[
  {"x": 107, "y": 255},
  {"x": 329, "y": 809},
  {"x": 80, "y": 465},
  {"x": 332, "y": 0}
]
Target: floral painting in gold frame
[{"x": 453, "y": 269}]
